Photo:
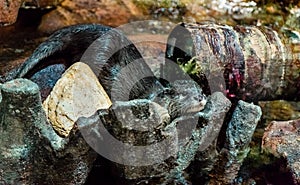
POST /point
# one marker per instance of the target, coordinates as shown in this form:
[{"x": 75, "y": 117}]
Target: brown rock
[
  {"x": 9, "y": 11},
  {"x": 41, "y": 3},
  {"x": 282, "y": 139},
  {"x": 9, "y": 8},
  {"x": 77, "y": 94},
  {"x": 70, "y": 12}
]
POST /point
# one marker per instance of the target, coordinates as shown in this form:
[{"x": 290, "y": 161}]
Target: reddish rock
[
  {"x": 282, "y": 139},
  {"x": 9, "y": 11},
  {"x": 42, "y": 3},
  {"x": 70, "y": 12},
  {"x": 9, "y": 8}
]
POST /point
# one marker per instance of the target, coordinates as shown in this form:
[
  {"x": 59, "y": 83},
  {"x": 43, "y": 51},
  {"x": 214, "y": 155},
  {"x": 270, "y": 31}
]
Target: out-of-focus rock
[
  {"x": 280, "y": 110},
  {"x": 77, "y": 93},
  {"x": 9, "y": 11},
  {"x": 41, "y": 3},
  {"x": 152, "y": 48},
  {"x": 9, "y": 8},
  {"x": 282, "y": 139},
  {"x": 70, "y": 12},
  {"x": 31, "y": 151},
  {"x": 238, "y": 136}
]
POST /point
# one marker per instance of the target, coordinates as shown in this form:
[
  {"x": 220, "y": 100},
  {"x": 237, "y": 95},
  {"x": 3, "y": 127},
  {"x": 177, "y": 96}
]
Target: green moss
[
  {"x": 259, "y": 158},
  {"x": 190, "y": 67},
  {"x": 146, "y": 4},
  {"x": 170, "y": 9}
]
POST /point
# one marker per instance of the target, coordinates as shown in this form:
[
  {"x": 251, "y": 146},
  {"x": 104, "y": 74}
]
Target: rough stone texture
[
  {"x": 18, "y": 111},
  {"x": 206, "y": 155},
  {"x": 202, "y": 137},
  {"x": 188, "y": 135},
  {"x": 77, "y": 93},
  {"x": 238, "y": 136},
  {"x": 9, "y": 11},
  {"x": 241, "y": 73},
  {"x": 137, "y": 123},
  {"x": 31, "y": 151},
  {"x": 107, "y": 12},
  {"x": 282, "y": 139}
]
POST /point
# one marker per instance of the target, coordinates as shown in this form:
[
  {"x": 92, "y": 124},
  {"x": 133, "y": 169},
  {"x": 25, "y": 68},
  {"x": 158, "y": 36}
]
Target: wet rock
[
  {"x": 70, "y": 12},
  {"x": 238, "y": 136},
  {"x": 77, "y": 93},
  {"x": 31, "y": 151},
  {"x": 9, "y": 11},
  {"x": 282, "y": 139}
]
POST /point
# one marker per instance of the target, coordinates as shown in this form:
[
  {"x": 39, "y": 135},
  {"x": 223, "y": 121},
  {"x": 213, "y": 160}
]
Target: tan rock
[
  {"x": 9, "y": 11},
  {"x": 77, "y": 94}
]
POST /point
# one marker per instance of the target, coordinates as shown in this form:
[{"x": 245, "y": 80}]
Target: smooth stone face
[{"x": 77, "y": 94}]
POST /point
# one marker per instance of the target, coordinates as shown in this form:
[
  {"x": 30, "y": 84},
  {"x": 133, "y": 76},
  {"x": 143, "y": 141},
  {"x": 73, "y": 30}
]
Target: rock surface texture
[
  {"x": 31, "y": 151},
  {"x": 282, "y": 139},
  {"x": 77, "y": 93},
  {"x": 238, "y": 137},
  {"x": 181, "y": 138}
]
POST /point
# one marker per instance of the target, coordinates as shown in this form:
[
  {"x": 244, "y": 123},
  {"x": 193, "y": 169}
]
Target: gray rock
[
  {"x": 31, "y": 151},
  {"x": 201, "y": 146},
  {"x": 238, "y": 136},
  {"x": 138, "y": 126},
  {"x": 169, "y": 147}
]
